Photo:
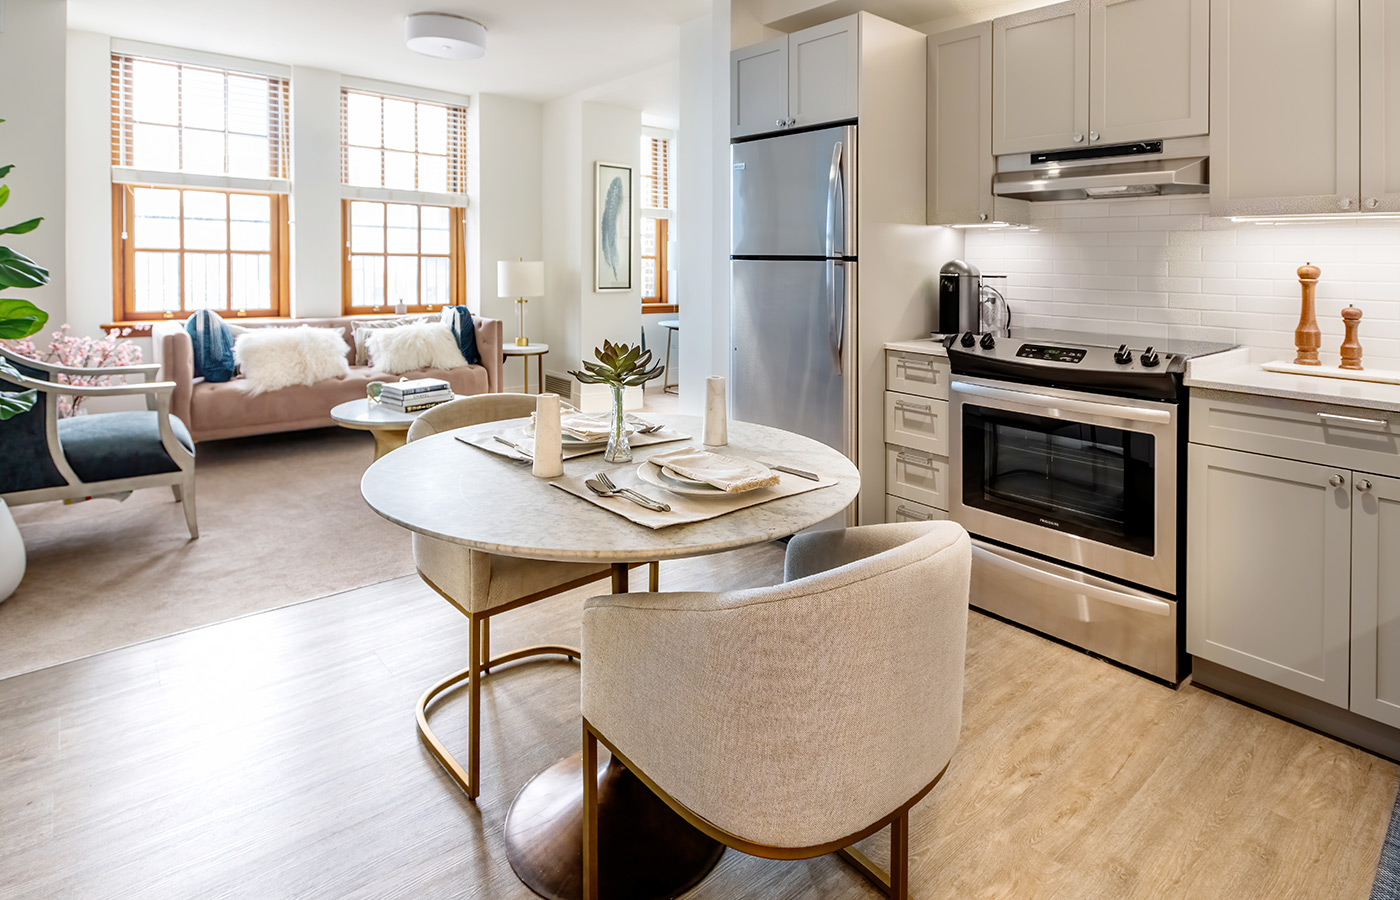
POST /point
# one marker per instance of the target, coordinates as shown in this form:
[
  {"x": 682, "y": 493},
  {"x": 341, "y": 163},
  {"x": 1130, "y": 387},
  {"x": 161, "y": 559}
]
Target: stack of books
[{"x": 416, "y": 395}]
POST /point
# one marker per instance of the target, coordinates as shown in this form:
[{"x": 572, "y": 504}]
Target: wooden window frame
[
  {"x": 661, "y": 302},
  {"x": 124, "y": 254},
  {"x": 456, "y": 256}
]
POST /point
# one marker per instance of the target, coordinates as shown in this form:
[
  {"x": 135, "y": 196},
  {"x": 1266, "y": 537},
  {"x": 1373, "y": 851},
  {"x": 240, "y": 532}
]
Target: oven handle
[
  {"x": 1131, "y": 601},
  {"x": 1059, "y": 407}
]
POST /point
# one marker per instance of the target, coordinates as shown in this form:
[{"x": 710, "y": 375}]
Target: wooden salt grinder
[
  {"x": 1308, "y": 337},
  {"x": 1351, "y": 347}
]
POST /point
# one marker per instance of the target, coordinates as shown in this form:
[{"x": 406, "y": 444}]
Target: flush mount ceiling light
[{"x": 445, "y": 36}]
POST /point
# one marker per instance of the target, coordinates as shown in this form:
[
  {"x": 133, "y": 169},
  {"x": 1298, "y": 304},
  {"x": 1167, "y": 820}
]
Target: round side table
[{"x": 536, "y": 350}]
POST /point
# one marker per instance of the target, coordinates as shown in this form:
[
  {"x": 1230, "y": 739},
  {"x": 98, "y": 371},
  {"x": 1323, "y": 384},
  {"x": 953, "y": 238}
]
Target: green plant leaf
[
  {"x": 23, "y": 227},
  {"x": 4, "y": 193},
  {"x": 19, "y": 318},
  {"x": 13, "y": 403},
  {"x": 18, "y": 270},
  {"x": 5, "y": 170}
]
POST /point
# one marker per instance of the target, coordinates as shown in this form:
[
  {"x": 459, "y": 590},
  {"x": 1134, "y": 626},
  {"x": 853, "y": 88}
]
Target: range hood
[{"x": 1142, "y": 169}]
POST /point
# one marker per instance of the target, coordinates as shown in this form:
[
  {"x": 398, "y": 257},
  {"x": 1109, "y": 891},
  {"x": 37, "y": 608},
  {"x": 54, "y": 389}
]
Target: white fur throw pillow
[
  {"x": 410, "y": 348},
  {"x": 274, "y": 358}
]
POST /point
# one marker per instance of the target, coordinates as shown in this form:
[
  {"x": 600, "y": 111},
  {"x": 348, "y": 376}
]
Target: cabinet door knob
[
  {"x": 1363, "y": 485},
  {"x": 780, "y": 123},
  {"x": 1337, "y": 480},
  {"x": 792, "y": 121},
  {"x": 981, "y": 217},
  {"x": 1345, "y": 203},
  {"x": 1078, "y": 138},
  {"x": 1372, "y": 203},
  {"x": 1093, "y": 135}
]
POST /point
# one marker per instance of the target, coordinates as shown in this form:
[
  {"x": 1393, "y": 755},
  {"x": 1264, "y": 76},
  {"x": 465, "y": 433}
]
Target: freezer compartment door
[
  {"x": 795, "y": 194},
  {"x": 793, "y": 347}
]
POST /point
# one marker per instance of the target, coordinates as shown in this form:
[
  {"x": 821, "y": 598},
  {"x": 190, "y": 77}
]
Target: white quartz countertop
[
  {"x": 926, "y": 346},
  {"x": 1239, "y": 370}
]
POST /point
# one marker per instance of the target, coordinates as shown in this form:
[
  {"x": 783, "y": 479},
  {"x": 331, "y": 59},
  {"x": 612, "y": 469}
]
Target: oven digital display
[{"x": 1069, "y": 355}]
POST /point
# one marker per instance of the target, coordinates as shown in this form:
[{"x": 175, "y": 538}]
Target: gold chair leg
[
  {"x": 899, "y": 858},
  {"x": 486, "y": 644},
  {"x": 655, "y": 576},
  {"x": 474, "y": 716},
  {"x": 866, "y": 866},
  {"x": 590, "y": 814}
]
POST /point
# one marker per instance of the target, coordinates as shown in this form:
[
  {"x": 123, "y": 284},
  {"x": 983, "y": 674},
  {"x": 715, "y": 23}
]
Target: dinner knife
[{"x": 800, "y": 473}]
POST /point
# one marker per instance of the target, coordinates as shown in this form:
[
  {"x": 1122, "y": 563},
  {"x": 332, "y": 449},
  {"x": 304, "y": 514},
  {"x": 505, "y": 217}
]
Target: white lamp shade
[
  {"x": 445, "y": 36},
  {"x": 519, "y": 279}
]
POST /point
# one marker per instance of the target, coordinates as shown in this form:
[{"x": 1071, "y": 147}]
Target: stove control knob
[
  {"x": 1123, "y": 356},
  {"x": 969, "y": 339},
  {"x": 988, "y": 342},
  {"x": 1150, "y": 359}
]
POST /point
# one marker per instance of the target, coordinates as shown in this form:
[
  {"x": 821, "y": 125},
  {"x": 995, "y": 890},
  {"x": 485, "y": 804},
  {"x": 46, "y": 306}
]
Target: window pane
[
  {"x": 648, "y": 236},
  {"x": 399, "y": 170},
  {"x": 367, "y": 280},
  {"x": 247, "y": 104},
  {"x": 403, "y": 279},
  {"x": 403, "y": 228},
  {"x": 437, "y": 289},
  {"x": 432, "y": 173},
  {"x": 363, "y": 167},
  {"x": 155, "y": 92},
  {"x": 399, "y": 126},
  {"x": 432, "y": 129},
  {"x": 206, "y": 281},
  {"x": 362, "y": 113},
  {"x": 366, "y": 227},
  {"x": 436, "y": 230},
  {"x": 250, "y": 223},
  {"x": 156, "y": 147},
  {"x": 248, "y": 156},
  {"x": 252, "y": 281},
  {"x": 157, "y": 280},
  {"x": 204, "y": 152},
  {"x": 202, "y": 99},
  {"x": 157, "y": 215},
  {"x": 206, "y": 222},
  {"x": 648, "y": 278}
]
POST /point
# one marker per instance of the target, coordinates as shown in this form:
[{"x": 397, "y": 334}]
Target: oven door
[{"x": 1086, "y": 479}]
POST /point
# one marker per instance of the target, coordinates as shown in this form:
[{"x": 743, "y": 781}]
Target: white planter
[{"x": 11, "y": 553}]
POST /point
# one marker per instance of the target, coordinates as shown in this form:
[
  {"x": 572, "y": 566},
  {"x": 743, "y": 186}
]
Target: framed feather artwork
[{"x": 612, "y": 266}]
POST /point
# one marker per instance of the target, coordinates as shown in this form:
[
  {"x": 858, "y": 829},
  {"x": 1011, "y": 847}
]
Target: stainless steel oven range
[{"x": 1067, "y": 471}]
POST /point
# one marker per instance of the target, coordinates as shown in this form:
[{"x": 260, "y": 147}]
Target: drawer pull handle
[
  {"x": 903, "y": 363},
  {"x": 1357, "y": 420},
  {"x": 905, "y": 456},
  {"x": 904, "y": 512},
  {"x": 906, "y": 406}
]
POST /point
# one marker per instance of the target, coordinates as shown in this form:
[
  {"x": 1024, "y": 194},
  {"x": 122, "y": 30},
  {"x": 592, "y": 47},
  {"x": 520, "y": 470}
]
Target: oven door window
[{"x": 1080, "y": 479}]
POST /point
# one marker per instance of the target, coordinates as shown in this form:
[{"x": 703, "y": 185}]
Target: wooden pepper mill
[
  {"x": 1351, "y": 347},
  {"x": 1307, "y": 336}
]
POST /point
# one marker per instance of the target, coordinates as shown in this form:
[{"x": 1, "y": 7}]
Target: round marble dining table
[{"x": 440, "y": 487}]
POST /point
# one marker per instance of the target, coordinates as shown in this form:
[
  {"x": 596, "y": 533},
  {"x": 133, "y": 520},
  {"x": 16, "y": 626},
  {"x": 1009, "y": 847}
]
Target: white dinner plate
[{"x": 657, "y": 476}]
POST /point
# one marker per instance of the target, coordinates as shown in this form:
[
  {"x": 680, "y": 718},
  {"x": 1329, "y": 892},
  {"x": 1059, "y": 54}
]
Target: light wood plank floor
[{"x": 275, "y": 757}]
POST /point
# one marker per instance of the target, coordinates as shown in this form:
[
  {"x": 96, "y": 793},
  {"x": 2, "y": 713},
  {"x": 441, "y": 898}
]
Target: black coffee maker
[{"x": 967, "y": 303}]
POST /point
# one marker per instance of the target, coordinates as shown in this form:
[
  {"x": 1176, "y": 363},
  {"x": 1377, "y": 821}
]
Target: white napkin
[{"x": 727, "y": 473}]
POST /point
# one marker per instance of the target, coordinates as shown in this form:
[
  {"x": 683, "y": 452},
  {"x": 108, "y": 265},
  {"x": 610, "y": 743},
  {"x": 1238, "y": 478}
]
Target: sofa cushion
[
  {"x": 361, "y": 330},
  {"x": 423, "y": 345},
  {"x": 275, "y": 358},
  {"x": 105, "y": 446}
]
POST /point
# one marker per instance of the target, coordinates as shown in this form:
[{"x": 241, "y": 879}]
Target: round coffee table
[{"x": 388, "y": 426}]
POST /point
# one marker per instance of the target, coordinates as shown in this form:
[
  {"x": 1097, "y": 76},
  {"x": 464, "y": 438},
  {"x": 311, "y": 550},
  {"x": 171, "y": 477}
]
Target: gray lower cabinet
[{"x": 1375, "y": 599}]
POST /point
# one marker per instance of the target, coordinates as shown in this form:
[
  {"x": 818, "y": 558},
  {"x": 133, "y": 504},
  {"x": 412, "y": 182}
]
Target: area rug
[
  {"x": 281, "y": 520},
  {"x": 1387, "y": 885}
]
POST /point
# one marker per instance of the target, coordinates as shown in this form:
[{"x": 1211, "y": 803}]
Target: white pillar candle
[
  {"x": 549, "y": 444},
  {"x": 716, "y": 412}
]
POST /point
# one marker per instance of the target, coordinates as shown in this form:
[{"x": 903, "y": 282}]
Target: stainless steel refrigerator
[{"x": 793, "y": 284}]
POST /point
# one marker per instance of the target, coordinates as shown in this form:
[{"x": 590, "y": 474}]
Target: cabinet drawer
[
  {"x": 897, "y": 509},
  {"x": 916, "y": 475},
  {"x": 917, "y": 373},
  {"x": 918, "y": 422},
  {"x": 1328, "y": 434}
]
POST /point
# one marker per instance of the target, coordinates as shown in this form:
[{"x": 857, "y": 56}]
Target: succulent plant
[{"x": 619, "y": 365}]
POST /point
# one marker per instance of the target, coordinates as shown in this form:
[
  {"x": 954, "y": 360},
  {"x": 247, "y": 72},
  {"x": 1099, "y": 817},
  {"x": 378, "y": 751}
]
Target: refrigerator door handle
[
  {"x": 835, "y": 205},
  {"x": 836, "y": 288}
]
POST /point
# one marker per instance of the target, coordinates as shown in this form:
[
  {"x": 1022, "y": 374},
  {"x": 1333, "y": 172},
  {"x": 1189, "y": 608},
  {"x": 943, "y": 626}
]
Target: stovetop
[{"x": 1146, "y": 369}]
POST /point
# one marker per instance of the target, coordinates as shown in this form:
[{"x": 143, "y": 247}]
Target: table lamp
[{"x": 520, "y": 280}]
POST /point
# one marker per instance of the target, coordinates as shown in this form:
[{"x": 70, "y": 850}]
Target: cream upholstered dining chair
[
  {"x": 790, "y": 721},
  {"x": 481, "y": 585}
]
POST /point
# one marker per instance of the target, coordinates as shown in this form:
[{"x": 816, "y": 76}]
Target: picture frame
[{"x": 612, "y": 227}]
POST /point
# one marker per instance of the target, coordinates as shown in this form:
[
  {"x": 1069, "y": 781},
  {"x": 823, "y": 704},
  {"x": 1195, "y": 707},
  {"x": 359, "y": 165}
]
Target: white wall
[
  {"x": 33, "y": 54},
  {"x": 315, "y": 203},
  {"x": 562, "y": 195},
  {"x": 1162, "y": 268},
  {"x": 89, "y": 183}
]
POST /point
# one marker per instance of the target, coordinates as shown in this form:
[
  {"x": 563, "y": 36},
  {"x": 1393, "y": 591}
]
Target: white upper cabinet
[
  {"x": 1040, "y": 80},
  {"x": 1285, "y": 134},
  {"x": 805, "y": 78},
  {"x": 1380, "y": 106},
  {"x": 1149, "y": 70},
  {"x": 758, "y": 95}
]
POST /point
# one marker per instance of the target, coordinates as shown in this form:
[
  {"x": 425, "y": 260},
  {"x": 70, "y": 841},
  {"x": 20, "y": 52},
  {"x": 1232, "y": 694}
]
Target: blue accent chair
[{"x": 48, "y": 458}]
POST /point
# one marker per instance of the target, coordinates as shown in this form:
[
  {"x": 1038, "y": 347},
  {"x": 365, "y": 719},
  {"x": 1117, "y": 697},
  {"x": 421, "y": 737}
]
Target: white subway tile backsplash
[{"x": 1162, "y": 268}]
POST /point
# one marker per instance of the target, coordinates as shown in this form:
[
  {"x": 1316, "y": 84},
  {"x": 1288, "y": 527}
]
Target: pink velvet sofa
[{"x": 226, "y": 410}]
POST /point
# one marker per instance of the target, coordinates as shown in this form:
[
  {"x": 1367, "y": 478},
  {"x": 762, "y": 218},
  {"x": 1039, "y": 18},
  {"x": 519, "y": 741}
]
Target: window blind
[
  {"x": 656, "y": 173},
  {"x": 402, "y": 144},
  {"x": 184, "y": 118}
]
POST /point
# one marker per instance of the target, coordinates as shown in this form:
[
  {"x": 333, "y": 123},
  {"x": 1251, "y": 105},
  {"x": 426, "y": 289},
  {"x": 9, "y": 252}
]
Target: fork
[{"x": 643, "y": 499}]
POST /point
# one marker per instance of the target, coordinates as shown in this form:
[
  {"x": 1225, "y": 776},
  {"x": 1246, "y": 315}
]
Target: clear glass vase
[{"x": 619, "y": 451}]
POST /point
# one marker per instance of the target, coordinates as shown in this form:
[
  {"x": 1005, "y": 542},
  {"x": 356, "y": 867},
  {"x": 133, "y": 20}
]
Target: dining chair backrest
[{"x": 471, "y": 411}]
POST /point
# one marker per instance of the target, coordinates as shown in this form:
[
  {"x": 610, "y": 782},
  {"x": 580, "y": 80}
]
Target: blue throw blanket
[
  {"x": 464, "y": 330},
  {"x": 213, "y": 346}
]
